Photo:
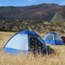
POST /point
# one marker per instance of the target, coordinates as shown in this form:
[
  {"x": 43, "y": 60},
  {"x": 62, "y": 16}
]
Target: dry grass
[{"x": 53, "y": 59}]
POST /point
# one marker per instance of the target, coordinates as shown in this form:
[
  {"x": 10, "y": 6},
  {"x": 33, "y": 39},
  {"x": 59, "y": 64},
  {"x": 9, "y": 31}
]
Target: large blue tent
[
  {"x": 24, "y": 41},
  {"x": 53, "y": 38}
]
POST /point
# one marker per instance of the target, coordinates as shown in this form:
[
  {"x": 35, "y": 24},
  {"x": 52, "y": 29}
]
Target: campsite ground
[{"x": 57, "y": 58}]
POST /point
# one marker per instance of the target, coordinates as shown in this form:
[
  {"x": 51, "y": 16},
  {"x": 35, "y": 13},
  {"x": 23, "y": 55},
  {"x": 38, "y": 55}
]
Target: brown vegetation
[{"x": 38, "y": 26}]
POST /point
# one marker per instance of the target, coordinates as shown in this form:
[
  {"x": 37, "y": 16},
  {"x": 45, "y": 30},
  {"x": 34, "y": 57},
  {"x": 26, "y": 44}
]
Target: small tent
[
  {"x": 24, "y": 41},
  {"x": 53, "y": 38}
]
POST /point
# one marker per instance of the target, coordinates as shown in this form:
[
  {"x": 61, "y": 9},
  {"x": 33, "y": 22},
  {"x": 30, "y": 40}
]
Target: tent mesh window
[
  {"x": 35, "y": 44},
  {"x": 57, "y": 37},
  {"x": 49, "y": 37}
]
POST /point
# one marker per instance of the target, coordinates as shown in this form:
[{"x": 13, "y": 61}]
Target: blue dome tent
[
  {"x": 24, "y": 41},
  {"x": 53, "y": 38}
]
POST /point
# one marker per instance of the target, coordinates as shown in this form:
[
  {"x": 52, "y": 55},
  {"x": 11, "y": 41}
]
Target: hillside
[
  {"x": 38, "y": 26},
  {"x": 59, "y": 16},
  {"x": 1, "y": 17},
  {"x": 35, "y": 12}
]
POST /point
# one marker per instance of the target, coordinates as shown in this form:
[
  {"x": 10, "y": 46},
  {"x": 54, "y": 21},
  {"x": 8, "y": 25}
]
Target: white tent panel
[
  {"x": 49, "y": 37},
  {"x": 19, "y": 42},
  {"x": 57, "y": 37}
]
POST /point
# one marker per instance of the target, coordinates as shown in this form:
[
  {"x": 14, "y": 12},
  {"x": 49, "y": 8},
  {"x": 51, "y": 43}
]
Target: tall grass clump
[{"x": 6, "y": 59}]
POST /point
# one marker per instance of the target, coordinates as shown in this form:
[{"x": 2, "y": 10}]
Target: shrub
[
  {"x": 59, "y": 23},
  {"x": 40, "y": 21},
  {"x": 5, "y": 30},
  {"x": 53, "y": 29},
  {"x": 62, "y": 31}
]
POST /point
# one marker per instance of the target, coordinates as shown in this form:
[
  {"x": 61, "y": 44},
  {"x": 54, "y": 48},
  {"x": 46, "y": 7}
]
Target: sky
[{"x": 29, "y": 2}]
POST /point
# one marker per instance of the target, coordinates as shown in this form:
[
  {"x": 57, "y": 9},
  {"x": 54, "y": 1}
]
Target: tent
[
  {"x": 53, "y": 38},
  {"x": 25, "y": 41}
]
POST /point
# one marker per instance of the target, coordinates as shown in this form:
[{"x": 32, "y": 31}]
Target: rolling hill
[
  {"x": 35, "y": 12},
  {"x": 59, "y": 16}
]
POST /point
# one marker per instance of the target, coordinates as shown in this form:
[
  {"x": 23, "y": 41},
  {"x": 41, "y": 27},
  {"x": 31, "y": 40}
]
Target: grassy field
[{"x": 57, "y": 58}]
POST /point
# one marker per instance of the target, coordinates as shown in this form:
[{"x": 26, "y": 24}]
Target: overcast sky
[{"x": 29, "y": 2}]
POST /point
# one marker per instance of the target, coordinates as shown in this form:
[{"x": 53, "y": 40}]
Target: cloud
[
  {"x": 62, "y": 3},
  {"x": 32, "y": 1},
  {"x": 47, "y": 2}
]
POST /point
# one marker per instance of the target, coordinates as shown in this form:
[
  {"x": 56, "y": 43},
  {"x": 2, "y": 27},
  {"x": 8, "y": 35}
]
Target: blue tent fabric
[
  {"x": 28, "y": 32},
  {"x": 50, "y": 42},
  {"x": 20, "y": 42},
  {"x": 53, "y": 33},
  {"x": 53, "y": 38}
]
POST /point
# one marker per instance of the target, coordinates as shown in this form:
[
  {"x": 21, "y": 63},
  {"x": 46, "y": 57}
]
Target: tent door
[{"x": 35, "y": 45}]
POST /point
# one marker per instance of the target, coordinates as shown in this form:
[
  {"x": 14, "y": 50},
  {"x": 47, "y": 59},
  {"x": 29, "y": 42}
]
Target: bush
[
  {"x": 62, "y": 31},
  {"x": 40, "y": 21},
  {"x": 53, "y": 30},
  {"x": 59, "y": 24},
  {"x": 5, "y": 30}
]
